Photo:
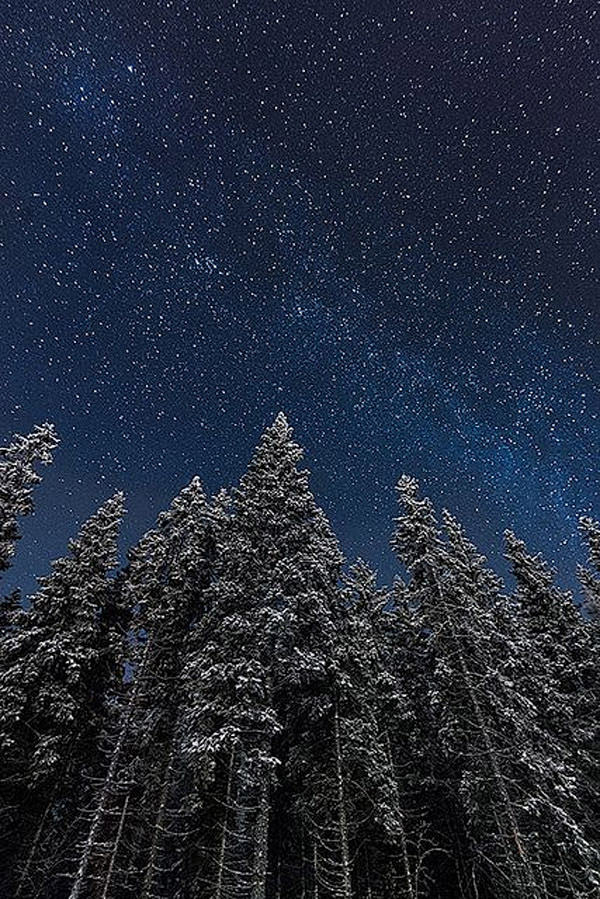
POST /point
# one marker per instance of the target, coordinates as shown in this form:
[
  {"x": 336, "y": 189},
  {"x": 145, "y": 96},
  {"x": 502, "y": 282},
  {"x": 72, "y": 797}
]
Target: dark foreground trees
[
  {"x": 234, "y": 715},
  {"x": 58, "y": 662}
]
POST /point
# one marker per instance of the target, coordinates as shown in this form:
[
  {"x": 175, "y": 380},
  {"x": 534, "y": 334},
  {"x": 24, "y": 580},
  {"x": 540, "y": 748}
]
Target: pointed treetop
[
  {"x": 407, "y": 486},
  {"x": 273, "y": 510},
  {"x": 279, "y": 433},
  {"x": 111, "y": 507},
  {"x": 416, "y": 534},
  {"x": 103, "y": 524},
  {"x": 276, "y": 454},
  {"x": 75, "y": 581},
  {"x": 540, "y": 598},
  {"x": 468, "y": 564},
  {"x": 153, "y": 546},
  {"x": 177, "y": 531},
  {"x": 17, "y": 480},
  {"x": 459, "y": 541},
  {"x": 280, "y": 429},
  {"x": 530, "y": 569},
  {"x": 192, "y": 495}
]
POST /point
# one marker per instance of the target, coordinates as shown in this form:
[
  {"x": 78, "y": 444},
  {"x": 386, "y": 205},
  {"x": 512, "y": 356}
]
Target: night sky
[{"x": 379, "y": 217}]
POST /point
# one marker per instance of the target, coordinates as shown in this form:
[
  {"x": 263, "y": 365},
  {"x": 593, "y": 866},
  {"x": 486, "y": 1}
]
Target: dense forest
[{"x": 239, "y": 714}]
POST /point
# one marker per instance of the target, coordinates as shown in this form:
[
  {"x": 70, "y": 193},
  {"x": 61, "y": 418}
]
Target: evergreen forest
[{"x": 240, "y": 713}]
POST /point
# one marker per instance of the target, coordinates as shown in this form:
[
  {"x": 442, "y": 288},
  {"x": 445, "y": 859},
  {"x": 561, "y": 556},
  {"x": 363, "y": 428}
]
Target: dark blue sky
[{"x": 379, "y": 217}]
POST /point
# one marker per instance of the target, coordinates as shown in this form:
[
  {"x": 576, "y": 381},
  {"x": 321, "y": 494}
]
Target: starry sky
[{"x": 379, "y": 217}]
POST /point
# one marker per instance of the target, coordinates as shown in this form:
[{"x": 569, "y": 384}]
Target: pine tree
[
  {"x": 558, "y": 678},
  {"x": 127, "y": 849},
  {"x": 11, "y": 612},
  {"x": 553, "y": 627},
  {"x": 55, "y": 670},
  {"x": 474, "y": 713},
  {"x": 259, "y": 654},
  {"x": 377, "y": 722},
  {"x": 17, "y": 480}
]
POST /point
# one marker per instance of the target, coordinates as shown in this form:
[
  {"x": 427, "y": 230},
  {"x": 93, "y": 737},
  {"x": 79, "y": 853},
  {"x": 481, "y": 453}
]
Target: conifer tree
[
  {"x": 559, "y": 679},
  {"x": 11, "y": 612},
  {"x": 377, "y": 721},
  {"x": 553, "y": 627},
  {"x": 413, "y": 741},
  {"x": 259, "y": 653},
  {"x": 55, "y": 670},
  {"x": 473, "y": 710},
  {"x": 17, "y": 480},
  {"x": 127, "y": 850}
]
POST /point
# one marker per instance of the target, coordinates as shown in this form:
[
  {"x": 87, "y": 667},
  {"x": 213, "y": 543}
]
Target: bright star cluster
[{"x": 381, "y": 218}]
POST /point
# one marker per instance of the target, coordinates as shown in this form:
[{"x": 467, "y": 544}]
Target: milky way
[{"x": 378, "y": 217}]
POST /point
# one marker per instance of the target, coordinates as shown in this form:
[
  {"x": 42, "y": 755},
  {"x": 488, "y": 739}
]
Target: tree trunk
[
  {"x": 261, "y": 830},
  {"x": 36, "y": 842},
  {"x": 303, "y": 868},
  {"x": 158, "y": 829},
  {"x": 113, "y": 855},
  {"x": 107, "y": 787},
  {"x": 408, "y": 874},
  {"x": 529, "y": 887},
  {"x": 368, "y": 890},
  {"x": 227, "y": 804},
  {"x": 342, "y": 816}
]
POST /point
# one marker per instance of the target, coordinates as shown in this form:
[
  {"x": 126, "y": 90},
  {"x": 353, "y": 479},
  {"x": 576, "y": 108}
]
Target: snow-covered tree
[
  {"x": 127, "y": 849},
  {"x": 377, "y": 731},
  {"x": 478, "y": 810},
  {"x": 554, "y": 629},
  {"x": 234, "y": 716},
  {"x": 18, "y": 477},
  {"x": 263, "y": 645},
  {"x": 55, "y": 670},
  {"x": 559, "y": 677}
]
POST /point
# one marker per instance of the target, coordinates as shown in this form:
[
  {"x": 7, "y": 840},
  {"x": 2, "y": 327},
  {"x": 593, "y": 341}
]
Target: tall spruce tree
[
  {"x": 479, "y": 720},
  {"x": 261, "y": 654},
  {"x": 413, "y": 741},
  {"x": 559, "y": 680},
  {"x": 377, "y": 725},
  {"x": 55, "y": 670},
  {"x": 18, "y": 477},
  {"x": 128, "y": 848}
]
